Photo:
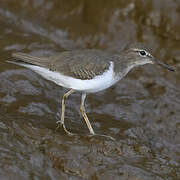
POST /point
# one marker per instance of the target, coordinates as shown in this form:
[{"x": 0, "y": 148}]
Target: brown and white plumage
[{"x": 86, "y": 71}]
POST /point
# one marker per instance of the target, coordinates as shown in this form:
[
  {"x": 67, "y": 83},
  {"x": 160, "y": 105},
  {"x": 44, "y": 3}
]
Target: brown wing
[
  {"x": 81, "y": 64},
  {"x": 84, "y": 64}
]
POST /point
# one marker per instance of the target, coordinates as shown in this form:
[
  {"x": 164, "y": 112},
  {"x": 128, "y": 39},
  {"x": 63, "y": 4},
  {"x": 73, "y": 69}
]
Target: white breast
[{"x": 96, "y": 84}]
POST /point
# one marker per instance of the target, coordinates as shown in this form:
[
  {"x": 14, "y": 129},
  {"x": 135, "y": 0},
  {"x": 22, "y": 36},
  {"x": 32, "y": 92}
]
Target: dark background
[{"x": 142, "y": 111}]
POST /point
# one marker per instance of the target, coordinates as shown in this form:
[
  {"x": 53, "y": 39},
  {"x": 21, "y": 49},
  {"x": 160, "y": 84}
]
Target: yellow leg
[
  {"x": 61, "y": 122},
  {"x": 82, "y": 109}
]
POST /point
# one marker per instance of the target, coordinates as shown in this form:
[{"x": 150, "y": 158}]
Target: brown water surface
[{"x": 142, "y": 111}]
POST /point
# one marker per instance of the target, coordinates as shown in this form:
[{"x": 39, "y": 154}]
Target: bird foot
[
  {"x": 60, "y": 124},
  {"x": 101, "y": 135}
]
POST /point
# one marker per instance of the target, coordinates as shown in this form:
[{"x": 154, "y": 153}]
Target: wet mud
[{"x": 142, "y": 111}]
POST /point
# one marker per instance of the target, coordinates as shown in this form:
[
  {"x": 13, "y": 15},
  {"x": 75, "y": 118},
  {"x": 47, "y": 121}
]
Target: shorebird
[{"x": 86, "y": 71}]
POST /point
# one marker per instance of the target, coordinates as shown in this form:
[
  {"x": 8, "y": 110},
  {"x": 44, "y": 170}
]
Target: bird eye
[{"x": 142, "y": 53}]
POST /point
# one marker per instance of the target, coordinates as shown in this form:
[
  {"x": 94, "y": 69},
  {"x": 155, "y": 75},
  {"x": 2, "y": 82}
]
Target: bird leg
[
  {"x": 61, "y": 122},
  {"x": 82, "y": 109}
]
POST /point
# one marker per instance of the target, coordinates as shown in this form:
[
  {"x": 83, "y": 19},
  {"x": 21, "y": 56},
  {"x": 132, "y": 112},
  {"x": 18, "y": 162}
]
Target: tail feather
[{"x": 29, "y": 59}]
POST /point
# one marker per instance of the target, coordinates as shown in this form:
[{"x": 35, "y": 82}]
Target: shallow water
[{"x": 141, "y": 112}]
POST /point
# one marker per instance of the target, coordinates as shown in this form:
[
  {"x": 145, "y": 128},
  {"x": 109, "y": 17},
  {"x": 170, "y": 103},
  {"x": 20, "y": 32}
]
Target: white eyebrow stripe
[
  {"x": 135, "y": 49},
  {"x": 147, "y": 53}
]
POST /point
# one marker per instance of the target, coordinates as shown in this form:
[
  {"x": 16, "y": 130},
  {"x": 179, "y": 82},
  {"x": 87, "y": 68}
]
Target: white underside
[{"x": 96, "y": 84}]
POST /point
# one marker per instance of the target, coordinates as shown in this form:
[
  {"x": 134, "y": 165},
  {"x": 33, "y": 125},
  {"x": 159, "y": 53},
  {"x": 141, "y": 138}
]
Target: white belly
[{"x": 96, "y": 84}]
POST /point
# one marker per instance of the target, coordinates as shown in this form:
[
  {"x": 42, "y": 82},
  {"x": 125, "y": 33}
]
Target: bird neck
[{"x": 121, "y": 66}]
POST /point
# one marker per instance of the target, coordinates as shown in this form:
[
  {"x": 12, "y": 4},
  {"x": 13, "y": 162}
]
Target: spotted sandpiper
[{"x": 86, "y": 71}]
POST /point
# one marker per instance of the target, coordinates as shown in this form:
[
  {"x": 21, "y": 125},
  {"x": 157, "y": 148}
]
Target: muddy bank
[{"x": 141, "y": 111}]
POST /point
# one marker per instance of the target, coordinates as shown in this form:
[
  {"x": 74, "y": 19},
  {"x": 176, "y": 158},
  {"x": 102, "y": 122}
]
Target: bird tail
[{"x": 29, "y": 59}]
